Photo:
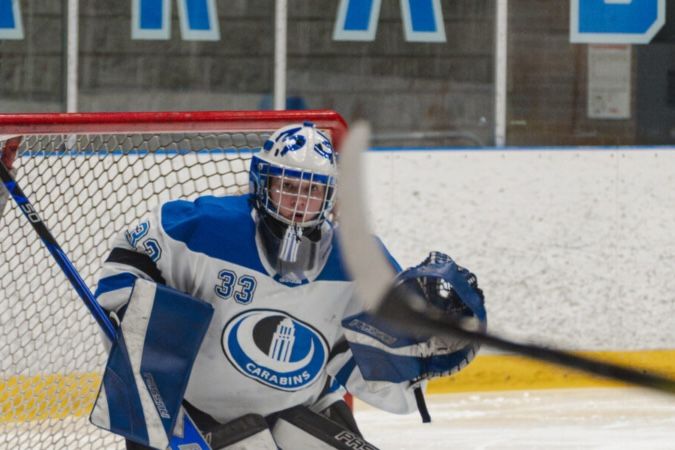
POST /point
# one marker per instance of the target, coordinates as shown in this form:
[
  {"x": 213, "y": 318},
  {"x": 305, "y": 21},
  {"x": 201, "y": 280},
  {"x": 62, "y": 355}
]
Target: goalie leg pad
[
  {"x": 148, "y": 368},
  {"x": 299, "y": 427}
]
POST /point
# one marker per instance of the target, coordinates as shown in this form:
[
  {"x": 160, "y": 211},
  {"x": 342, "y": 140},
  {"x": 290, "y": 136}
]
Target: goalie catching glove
[{"x": 385, "y": 352}]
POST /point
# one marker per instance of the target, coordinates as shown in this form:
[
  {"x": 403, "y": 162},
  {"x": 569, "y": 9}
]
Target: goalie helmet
[{"x": 293, "y": 177}]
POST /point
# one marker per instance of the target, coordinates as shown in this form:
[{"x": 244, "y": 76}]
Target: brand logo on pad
[{"x": 275, "y": 349}]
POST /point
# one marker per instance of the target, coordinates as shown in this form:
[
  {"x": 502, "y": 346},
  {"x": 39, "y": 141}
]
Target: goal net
[{"x": 90, "y": 176}]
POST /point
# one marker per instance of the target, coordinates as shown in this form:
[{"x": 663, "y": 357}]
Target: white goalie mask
[{"x": 293, "y": 177}]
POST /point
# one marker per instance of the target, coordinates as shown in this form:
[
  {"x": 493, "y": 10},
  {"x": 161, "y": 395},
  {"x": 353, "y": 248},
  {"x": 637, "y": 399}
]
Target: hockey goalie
[{"x": 243, "y": 305}]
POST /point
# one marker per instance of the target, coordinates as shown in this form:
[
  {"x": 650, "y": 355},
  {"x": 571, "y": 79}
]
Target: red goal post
[
  {"x": 185, "y": 121},
  {"x": 89, "y": 175},
  {"x": 46, "y": 123}
]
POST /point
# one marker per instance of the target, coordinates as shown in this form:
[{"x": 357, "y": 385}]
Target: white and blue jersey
[{"x": 271, "y": 344}]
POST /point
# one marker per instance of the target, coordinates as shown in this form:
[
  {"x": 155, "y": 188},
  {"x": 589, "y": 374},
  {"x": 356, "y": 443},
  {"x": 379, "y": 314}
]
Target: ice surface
[{"x": 619, "y": 418}]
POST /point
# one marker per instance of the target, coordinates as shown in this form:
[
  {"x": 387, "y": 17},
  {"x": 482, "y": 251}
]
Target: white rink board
[{"x": 573, "y": 247}]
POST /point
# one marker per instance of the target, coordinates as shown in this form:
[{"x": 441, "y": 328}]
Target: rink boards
[{"x": 573, "y": 247}]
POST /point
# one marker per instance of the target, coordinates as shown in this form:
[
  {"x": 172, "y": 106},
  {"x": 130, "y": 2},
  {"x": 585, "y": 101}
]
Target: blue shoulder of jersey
[
  {"x": 220, "y": 227},
  {"x": 335, "y": 269}
]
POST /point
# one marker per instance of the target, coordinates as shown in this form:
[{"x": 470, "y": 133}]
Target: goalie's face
[
  {"x": 298, "y": 201},
  {"x": 293, "y": 178}
]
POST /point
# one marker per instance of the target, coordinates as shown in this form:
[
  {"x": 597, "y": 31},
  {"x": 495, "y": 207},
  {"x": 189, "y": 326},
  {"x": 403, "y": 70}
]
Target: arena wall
[{"x": 572, "y": 246}]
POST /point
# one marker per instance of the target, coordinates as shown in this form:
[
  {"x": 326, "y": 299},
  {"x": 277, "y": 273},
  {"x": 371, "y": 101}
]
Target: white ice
[{"x": 622, "y": 418}]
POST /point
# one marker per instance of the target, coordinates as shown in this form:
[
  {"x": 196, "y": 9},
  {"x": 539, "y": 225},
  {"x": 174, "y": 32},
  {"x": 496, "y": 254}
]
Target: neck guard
[{"x": 296, "y": 254}]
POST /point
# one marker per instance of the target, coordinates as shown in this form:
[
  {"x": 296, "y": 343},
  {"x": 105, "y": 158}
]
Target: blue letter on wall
[
  {"x": 357, "y": 20},
  {"x": 151, "y": 19},
  {"x": 10, "y": 20},
  {"x": 616, "y": 21},
  {"x": 423, "y": 20}
]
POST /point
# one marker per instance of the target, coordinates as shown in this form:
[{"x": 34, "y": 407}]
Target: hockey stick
[
  {"x": 191, "y": 435},
  {"x": 373, "y": 277}
]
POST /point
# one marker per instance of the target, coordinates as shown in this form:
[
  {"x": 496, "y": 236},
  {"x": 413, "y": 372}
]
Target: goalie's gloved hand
[
  {"x": 446, "y": 285},
  {"x": 453, "y": 290},
  {"x": 386, "y": 350}
]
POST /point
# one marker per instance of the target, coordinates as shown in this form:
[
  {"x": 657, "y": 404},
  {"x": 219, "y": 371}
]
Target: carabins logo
[
  {"x": 292, "y": 141},
  {"x": 275, "y": 349},
  {"x": 325, "y": 149}
]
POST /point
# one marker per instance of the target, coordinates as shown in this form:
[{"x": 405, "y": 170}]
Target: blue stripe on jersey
[
  {"x": 334, "y": 386},
  {"x": 343, "y": 375},
  {"x": 335, "y": 269},
  {"x": 119, "y": 281},
  {"x": 220, "y": 227}
]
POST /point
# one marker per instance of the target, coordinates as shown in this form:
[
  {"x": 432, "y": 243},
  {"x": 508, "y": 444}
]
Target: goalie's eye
[{"x": 294, "y": 187}]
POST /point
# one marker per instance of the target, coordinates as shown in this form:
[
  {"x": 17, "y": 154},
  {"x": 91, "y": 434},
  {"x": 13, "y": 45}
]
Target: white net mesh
[{"x": 86, "y": 187}]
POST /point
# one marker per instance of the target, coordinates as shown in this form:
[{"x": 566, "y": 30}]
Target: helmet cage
[{"x": 291, "y": 195}]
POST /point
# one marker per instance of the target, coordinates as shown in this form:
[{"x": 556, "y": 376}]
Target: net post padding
[{"x": 9, "y": 150}]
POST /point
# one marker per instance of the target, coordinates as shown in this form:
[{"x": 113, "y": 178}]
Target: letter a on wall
[
  {"x": 616, "y": 21},
  {"x": 357, "y": 20},
  {"x": 151, "y": 19},
  {"x": 10, "y": 20}
]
